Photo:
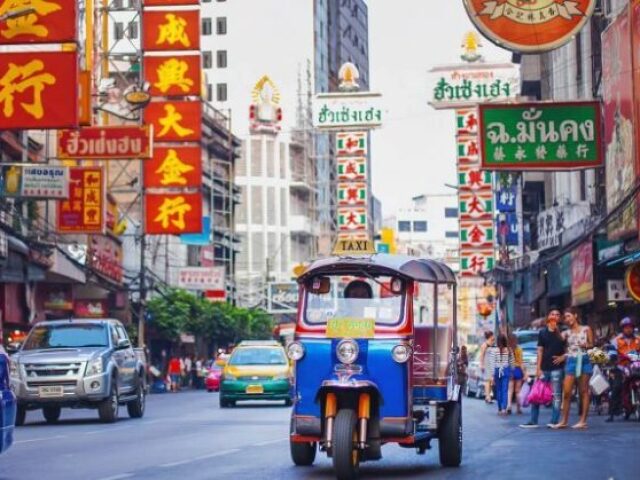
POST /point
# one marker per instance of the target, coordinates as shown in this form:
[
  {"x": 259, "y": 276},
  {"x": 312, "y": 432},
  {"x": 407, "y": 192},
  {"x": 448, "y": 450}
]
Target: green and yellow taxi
[{"x": 256, "y": 370}]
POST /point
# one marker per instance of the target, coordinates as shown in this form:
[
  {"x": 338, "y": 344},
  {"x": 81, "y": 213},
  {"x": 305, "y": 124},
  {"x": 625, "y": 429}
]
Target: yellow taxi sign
[
  {"x": 351, "y": 328},
  {"x": 353, "y": 246}
]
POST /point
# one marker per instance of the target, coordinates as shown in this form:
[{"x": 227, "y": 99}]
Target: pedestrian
[
  {"x": 187, "y": 371},
  {"x": 579, "y": 339},
  {"x": 550, "y": 366},
  {"x": 174, "y": 373},
  {"x": 487, "y": 374},
  {"x": 624, "y": 344},
  {"x": 518, "y": 374},
  {"x": 501, "y": 363},
  {"x": 199, "y": 373},
  {"x": 463, "y": 364}
]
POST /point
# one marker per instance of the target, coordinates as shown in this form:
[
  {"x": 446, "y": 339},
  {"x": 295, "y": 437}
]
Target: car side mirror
[
  {"x": 123, "y": 343},
  {"x": 12, "y": 348}
]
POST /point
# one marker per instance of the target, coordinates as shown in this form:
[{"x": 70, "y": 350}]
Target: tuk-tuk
[{"x": 375, "y": 355}]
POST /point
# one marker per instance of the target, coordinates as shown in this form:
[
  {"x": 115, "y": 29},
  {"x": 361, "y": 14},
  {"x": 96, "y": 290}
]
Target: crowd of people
[
  {"x": 564, "y": 365},
  {"x": 186, "y": 372}
]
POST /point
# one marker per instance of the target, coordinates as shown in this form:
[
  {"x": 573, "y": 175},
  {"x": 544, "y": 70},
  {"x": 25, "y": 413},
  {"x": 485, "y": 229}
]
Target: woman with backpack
[{"x": 501, "y": 362}]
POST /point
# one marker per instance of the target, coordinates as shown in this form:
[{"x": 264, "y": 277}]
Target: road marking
[
  {"x": 118, "y": 477},
  {"x": 201, "y": 457},
  {"x": 106, "y": 430},
  {"x": 31, "y": 440},
  {"x": 270, "y": 442}
]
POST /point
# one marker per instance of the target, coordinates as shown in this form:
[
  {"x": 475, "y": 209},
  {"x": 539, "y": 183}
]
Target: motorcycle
[{"x": 632, "y": 372}]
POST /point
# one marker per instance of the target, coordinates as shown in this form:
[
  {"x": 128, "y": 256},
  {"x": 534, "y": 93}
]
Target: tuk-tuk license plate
[
  {"x": 51, "y": 391},
  {"x": 254, "y": 389}
]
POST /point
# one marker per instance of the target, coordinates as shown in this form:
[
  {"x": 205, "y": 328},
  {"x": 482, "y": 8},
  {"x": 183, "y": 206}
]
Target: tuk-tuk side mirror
[
  {"x": 397, "y": 286},
  {"x": 319, "y": 285}
]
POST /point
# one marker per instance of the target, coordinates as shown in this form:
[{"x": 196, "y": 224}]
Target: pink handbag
[{"x": 541, "y": 393}]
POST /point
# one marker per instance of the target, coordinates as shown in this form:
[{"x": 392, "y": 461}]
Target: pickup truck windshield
[
  {"x": 66, "y": 336},
  {"x": 258, "y": 356}
]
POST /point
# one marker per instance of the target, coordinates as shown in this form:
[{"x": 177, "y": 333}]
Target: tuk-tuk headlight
[
  {"x": 347, "y": 351},
  {"x": 401, "y": 353},
  {"x": 295, "y": 351}
]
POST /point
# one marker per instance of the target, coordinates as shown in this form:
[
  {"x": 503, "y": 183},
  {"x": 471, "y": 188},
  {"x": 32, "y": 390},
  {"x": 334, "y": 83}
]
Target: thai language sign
[
  {"x": 202, "y": 278},
  {"x": 83, "y": 211},
  {"x": 34, "y": 181},
  {"x": 467, "y": 85},
  {"x": 105, "y": 143},
  {"x": 539, "y": 136},
  {"x": 283, "y": 297},
  {"x": 341, "y": 111}
]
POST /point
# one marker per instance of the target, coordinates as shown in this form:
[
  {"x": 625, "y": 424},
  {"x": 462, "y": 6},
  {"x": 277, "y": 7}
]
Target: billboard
[
  {"x": 33, "y": 181},
  {"x": 282, "y": 297},
  {"x": 105, "y": 143},
  {"x": 202, "y": 278},
  {"x": 84, "y": 210}
]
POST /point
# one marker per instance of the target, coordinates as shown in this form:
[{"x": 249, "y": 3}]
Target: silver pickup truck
[{"x": 78, "y": 363}]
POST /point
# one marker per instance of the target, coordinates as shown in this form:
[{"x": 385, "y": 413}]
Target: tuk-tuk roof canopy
[{"x": 419, "y": 269}]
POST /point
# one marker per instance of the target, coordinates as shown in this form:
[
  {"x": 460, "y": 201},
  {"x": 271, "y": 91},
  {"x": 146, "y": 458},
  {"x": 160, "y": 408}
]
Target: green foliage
[{"x": 178, "y": 311}]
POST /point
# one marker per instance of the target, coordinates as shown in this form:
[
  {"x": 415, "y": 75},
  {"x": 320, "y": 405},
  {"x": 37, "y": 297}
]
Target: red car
[{"x": 212, "y": 380}]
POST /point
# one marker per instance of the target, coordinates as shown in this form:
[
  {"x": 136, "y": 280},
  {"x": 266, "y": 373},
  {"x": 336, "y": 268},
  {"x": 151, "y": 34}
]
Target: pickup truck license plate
[
  {"x": 51, "y": 391},
  {"x": 255, "y": 389}
]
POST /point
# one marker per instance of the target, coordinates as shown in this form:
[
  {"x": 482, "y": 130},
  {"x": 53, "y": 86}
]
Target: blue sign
[
  {"x": 506, "y": 199},
  {"x": 203, "y": 238},
  {"x": 507, "y": 229},
  {"x": 383, "y": 248}
]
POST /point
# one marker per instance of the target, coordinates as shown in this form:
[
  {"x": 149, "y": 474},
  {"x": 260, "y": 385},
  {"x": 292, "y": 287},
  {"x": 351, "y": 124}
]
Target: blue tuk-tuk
[{"x": 375, "y": 356}]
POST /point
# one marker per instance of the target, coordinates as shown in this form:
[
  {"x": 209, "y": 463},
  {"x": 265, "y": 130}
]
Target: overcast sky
[{"x": 414, "y": 151}]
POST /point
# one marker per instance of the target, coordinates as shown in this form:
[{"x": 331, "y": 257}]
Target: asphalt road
[{"x": 187, "y": 436}]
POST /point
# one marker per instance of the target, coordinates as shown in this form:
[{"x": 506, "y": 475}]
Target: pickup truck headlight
[
  {"x": 14, "y": 370},
  {"x": 94, "y": 367}
]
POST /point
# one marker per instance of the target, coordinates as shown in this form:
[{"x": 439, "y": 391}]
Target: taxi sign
[
  {"x": 353, "y": 245},
  {"x": 351, "y": 328}
]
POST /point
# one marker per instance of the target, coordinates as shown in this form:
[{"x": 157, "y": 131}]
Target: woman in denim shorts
[{"x": 579, "y": 339}]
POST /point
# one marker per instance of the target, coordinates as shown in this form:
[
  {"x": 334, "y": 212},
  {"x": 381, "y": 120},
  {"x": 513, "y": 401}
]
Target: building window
[
  {"x": 118, "y": 31},
  {"x": 451, "y": 212},
  {"x": 451, "y": 234},
  {"x": 221, "y": 59},
  {"x": 221, "y": 25},
  {"x": 420, "y": 226},
  {"x": 207, "y": 61},
  {"x": 206, "y": 26},
  {"x": 221, "y": 92},
  {"x": 132, "y": 30},
  {"x": 209, "y": 92},
  {"x": 404, "y": 226}
]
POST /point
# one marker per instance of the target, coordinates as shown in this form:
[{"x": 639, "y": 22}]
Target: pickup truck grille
[
  {"x": 64, "y": 383},
  {"x": 34, "y": 370}
]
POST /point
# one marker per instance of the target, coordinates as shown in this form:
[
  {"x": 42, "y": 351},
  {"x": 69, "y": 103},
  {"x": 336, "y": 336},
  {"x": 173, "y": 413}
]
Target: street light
[{"x": 16, "y": 13}]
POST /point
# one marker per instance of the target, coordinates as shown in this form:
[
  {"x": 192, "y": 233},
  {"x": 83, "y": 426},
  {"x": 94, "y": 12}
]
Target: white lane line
[
  {"x": 106, "y": 430},
  {"x": 31, "y": 440},
  {"x": 118, "y": 477},
  {"x": 270, "y": 442},
  {"x": 201, "y": 457}
]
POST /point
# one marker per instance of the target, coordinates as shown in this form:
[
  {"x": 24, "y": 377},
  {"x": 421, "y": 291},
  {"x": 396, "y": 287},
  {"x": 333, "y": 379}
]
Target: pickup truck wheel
[
  {"x": 135, "y": 408},
  {"x": 51, "y": 414},
  {"x": 108, "y": 408},
  {"x": 21, "y": 415}
]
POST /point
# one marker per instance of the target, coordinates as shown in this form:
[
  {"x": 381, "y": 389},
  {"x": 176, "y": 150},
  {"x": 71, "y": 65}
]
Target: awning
[
  {"x": 622, "y": 260},
  {"x": 65, "y": 270}
]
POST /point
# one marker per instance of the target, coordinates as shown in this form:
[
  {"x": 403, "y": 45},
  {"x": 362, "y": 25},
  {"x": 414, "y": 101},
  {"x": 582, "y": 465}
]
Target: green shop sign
[{"x": 540, "y": 136}]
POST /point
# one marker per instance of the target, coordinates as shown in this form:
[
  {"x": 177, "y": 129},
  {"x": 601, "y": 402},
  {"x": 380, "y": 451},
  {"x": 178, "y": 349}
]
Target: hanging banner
[
  {"x": 476, "y": 234},
  {"x": 38, "y": 21},
  {"x": 475, "y": 206},
  {"x": 530, "y": 26},
  {"x": 351, "y": 144},
  {"x": 635, "y": 42},
  {"x": 178, "y": 75},
  {"x": 506, "y": 199},
  {"x": 105, "y": 143},
  {"x": 174, "y": 167},
  {"x": 84, "y": 211},
  {"x": 352, "y": 219},
  {"x": 582, "y": 274},
  {"x": 175, "y": 121},
  {"x": 169, "y": 30},
  {"x": 617, "y": 98},
  {"x": 353, "y": 194},
  {"x": 475, "y": 263},
  {"x": 33, "y": 181},
  {"x": 541, "y": 136},
  {"x": 352, "y": 169},
  {"x": 32, "y": 85},
  {"x": 167, "y": 213},
  {"x": 347, "y": 111}
]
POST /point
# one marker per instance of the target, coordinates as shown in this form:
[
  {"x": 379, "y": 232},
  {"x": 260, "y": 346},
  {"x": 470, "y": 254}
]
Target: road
[{"x": 186, "y": 435}]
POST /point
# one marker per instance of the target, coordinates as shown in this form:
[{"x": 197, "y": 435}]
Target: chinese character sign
[
  {"x": 174, "y": 75},
  {"x": 169, "y": 30},
  {"x": 352, "y": 219},
  {"x": 174, "y": 167},
  {"x": 538, "y": 136},
  {"x": 173, "y": 213},
  {"x": 83, "y": 211},
  {"x": 352, "y": 194},
  {"x": 38, "y": 21},
  {"x": 31, "y": 86},
  {"x": 169, "y": 3},
  {"x": 352, "y": 168},
  {"x": 351, "y": 143},
  {"x": 175, "y": 121},
  {"x": 475, "y": 263}
]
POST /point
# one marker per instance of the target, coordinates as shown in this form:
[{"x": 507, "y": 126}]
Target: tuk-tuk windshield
[{"x": 356, "y": 297}]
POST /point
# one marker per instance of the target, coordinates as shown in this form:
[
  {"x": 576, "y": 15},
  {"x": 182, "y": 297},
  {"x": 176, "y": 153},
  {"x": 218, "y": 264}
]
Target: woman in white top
[
  {"x": 579, "y": 339},
  {"x": 487, "y": 373},
  {"x": 501, "y": 362}
]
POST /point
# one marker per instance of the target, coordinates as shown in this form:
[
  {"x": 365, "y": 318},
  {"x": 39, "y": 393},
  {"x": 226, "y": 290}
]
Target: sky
[{"x": 414, "y": 151}]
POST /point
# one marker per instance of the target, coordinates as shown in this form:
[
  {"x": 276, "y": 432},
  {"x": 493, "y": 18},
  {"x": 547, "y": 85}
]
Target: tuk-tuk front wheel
[
  {"x": 346, "y": 456},
  {"x": 450, "y": 436},
  {"x": 303, "y": 454}
]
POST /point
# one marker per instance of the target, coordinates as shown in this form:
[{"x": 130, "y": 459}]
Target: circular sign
[
  {"x": 529, "y": 26},
  {"x": 632, "y": 279}
]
